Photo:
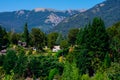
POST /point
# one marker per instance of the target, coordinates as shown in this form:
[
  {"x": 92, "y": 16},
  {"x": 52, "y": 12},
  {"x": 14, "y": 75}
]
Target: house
[
  {"x": 3, "y": 51},
  {"x": 56, "y": 48},
  {"x": 20, "y": 43}
]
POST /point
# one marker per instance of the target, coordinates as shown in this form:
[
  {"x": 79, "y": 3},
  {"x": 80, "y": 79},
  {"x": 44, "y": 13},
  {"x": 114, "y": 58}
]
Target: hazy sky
[{"x": 11, "y": 5}]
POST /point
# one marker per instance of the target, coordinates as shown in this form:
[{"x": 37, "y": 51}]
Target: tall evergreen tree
[
  {"x": 93, "y": 39},
  {"x": 3, "y": 37},
  {"x": 26, "y": 34}
]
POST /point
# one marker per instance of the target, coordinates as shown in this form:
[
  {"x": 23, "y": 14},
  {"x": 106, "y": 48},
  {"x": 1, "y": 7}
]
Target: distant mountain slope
[
  {"x": 108, "y": 10},
  {"x": 39, "y": 17}
]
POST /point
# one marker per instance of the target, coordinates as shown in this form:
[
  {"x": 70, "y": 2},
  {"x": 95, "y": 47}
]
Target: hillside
[
  {"x": 108, "y": 10},
  {"x": 40, "y": 17}
]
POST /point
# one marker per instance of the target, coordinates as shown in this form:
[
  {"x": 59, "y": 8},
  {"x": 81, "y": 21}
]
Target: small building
[
  {"x": 3, "y": 51},
  {"x": 56, "y": 49},
  {"x": 20, "y": 43}
]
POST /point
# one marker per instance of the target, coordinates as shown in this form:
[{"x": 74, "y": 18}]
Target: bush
[
  {"x": 85, "y": 77},
  {"x": 63, "y": 52},
  {"x": 2, "y": 59},
  {"x": 52, "y": 73},
  {"x": 2, "y": 73},
  {"x": 10, "y": 61},
  {"x": 100, "y": 76},
  {"x": 21, "y": 64},
  {"x": 70, "y": 72},
  {"x": 114, "y": 71}
]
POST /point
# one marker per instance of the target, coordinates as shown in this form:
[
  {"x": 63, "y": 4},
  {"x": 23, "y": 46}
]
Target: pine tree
[
  {"x": 3, "y": 38},
  {"x": 93, "y": 39},
  {"x": 26, "y": 34}
]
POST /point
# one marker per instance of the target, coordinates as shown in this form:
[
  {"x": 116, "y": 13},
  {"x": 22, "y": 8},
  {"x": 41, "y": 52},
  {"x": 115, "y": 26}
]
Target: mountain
[
  {"x": 40, "y": 17},
  {"x": 108, "y": 10}
]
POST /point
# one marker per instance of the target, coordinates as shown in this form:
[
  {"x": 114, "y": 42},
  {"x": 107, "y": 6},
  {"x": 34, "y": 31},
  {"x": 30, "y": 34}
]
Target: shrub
[
  {"x": 52, "y": 73},
  {"x": 114, "y": 71},
  {"x": 10, "y": 61}
]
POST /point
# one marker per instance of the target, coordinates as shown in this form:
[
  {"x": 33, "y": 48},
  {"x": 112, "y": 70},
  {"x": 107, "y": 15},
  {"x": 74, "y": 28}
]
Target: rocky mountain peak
[{"x": 43, "y": 9}]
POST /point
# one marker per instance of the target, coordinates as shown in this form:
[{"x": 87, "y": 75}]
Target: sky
[{"x": 13, "y": 5}]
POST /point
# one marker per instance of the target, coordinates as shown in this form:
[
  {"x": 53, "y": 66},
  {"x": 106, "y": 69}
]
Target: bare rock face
[
  {"x": 54, "y": 19},
  {"x": 43, "y": 18}
]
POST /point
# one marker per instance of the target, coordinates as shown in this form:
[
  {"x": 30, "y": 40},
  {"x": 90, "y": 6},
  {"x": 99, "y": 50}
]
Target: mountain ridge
[
  {"x": 108, "y": 10},
  {"x": 43, "y": 18}
]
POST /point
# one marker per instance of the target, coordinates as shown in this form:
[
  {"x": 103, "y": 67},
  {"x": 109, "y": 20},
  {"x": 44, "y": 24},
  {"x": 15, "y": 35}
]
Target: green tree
[
  {"x": 94, "y": 39},
  {"x": 38, "y": 38},
  {"x": 70, "y": 72},
  {"x": 52, "y": 37},
  {"x": 59, "y": 39},
  {"x": 72, "y": 34},
  {"x": 26, "y": 34},
  {"x": 2, "y": 57},
  {"x": 9, "y": 61},
  {"x": 3, "y": 37},
  {"x": 14, "y": 37},
  {"x": 114, "y": 37},
  {"x": 64, "y": 44},
  {"x": 107, "y": 61},
  {"x": 113, "y": 71},
  {"x": 52, "y": 73},
  {"x": 21, "y": 64}
]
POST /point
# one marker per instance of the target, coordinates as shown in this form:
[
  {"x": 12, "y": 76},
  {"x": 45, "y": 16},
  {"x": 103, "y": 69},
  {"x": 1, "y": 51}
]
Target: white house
[{"x": 56, "y": 49}]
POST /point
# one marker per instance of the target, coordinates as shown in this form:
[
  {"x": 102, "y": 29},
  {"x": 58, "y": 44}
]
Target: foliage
[
  {"x": 59, "y": 39},
  {"x": 114, "y": 37},
  {"x": 3, "y": 38},
  {"x": 89, "y": 59},
  {"x": 2, "y": 57},
  {"x": 38, "y": 38},
  {"x": 72, "y": 35},
  {"x": 70, "y": 72},
  {"x": 26, "y": 34},
  {"x": 52, "y": 73},
  {"x": 113, "y": 71},
  {"x": 83, "y": 61},
  {"x": 52, "y": 37},
  {"x": 64, "y": 44},
  {"x": 100, "y": 76},
  {"x": 63, "y": 52},
  {"x": 21, "y": 64},
  {"x": 92, "y": 44},
  {"x": 85, "y": 77},
  {"x": 107, "y": 61},
  {"x": 44, "y": 65},
  {"x": 9, "y": 77},
  {"x": 2, "y": 73},
  {"x": 14, "y": 37},
  {"x": 10, "y": 61}
]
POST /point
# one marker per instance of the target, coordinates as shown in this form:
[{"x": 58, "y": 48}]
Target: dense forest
[{"x": 89, "y": 53}]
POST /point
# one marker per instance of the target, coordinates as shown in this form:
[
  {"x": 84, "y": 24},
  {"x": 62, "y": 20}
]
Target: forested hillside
[
  {"x": 89, "y": 53},
  {"x": 108, "y": 10}
]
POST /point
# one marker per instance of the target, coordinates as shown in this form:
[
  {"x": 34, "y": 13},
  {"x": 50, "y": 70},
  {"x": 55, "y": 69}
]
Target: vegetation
[
  {"x": 94, "y": 54},
  {"x": 26, "y": 34}
]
